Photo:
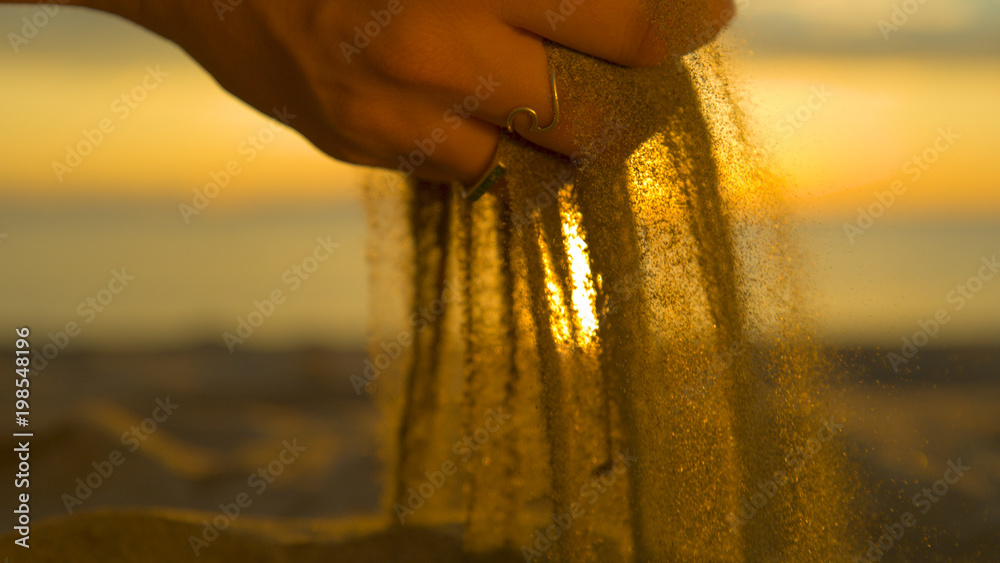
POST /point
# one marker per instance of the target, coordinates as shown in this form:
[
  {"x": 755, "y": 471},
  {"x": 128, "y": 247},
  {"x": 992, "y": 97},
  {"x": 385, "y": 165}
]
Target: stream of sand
[{"x": 608, "y": 360}]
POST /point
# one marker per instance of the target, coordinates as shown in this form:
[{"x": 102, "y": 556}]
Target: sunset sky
[
  {"x": 843, "y": 105},
  {"x": 68, "y": 78},
  {"x": 888, "y": 100}
]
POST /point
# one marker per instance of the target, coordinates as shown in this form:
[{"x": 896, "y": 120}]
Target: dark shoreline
[{"x": 235, "y": 408}]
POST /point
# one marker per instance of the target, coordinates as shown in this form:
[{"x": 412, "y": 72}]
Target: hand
[{"x": 423, "y": 86}]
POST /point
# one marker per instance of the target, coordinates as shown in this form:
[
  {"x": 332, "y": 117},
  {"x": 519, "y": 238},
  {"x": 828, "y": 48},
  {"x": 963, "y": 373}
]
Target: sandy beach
[{"x": 235, "y": 413}]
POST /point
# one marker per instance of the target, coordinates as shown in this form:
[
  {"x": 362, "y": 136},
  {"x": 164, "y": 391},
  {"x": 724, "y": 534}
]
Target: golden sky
[
  {"x": 875, "y": 121},
  {"x": 165, "y": 139},
  {"x": 861, "y": 107},
  {"x": 884, "y": 106}
]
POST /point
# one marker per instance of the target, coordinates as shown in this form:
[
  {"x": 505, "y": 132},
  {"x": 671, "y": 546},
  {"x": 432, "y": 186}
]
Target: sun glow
[
  {"x": 574, "y": 319},
  {"x": 583, "y": 295}
]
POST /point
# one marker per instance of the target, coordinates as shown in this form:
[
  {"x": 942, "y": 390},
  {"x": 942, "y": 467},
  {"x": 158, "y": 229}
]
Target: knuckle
[
  {"x": 413, "y": 56},
  {"x": 356, "y": 115},
  {"x": 369, "y": 128},
  {"x": 348, "y": 114}
]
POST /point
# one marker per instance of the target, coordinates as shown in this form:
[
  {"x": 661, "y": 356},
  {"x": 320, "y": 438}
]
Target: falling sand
[
  {"x": 603, "y": 361},
  {"x": 608, "y": 361}
]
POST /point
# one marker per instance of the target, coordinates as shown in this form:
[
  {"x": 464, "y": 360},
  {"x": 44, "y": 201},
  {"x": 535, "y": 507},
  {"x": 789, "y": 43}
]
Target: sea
[{"x": 191, "y": 283}]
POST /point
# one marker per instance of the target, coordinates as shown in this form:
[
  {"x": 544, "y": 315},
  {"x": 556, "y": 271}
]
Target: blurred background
[
  {"x": 853, "y": 99},
  {"x": 884, "y": 96}
]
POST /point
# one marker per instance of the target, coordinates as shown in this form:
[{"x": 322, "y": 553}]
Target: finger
[
  {"x": 519, "y": 77},
  {"x": 418, "y": 136},
  {"x": 448, "y": 134},
  {"x": 445, "y": 154},
  {"x": 627, "y": 32},
  {"x": 468, "y": 152}
]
